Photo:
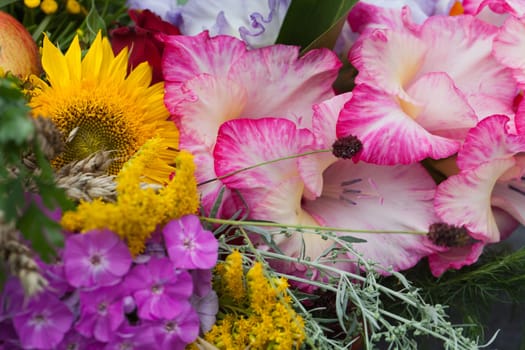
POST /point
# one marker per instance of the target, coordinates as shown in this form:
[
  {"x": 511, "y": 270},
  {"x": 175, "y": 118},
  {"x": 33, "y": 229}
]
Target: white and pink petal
[
  {"x": 185, "y": 57},
  {"x": 465, "y": 199},
  {"x": 279, "y": 82},
  {"x": 324, "y": 129},
  {"x": 389, "y": 135},
  {"x": 489, "y": 141},
  {"x": 207, "y": 103},
  {"x": 510, "y": 197},
  {"x": 454, "y": 258},
  {"x": 487, "y": 84},
  {"x": 509, "y": 47},
  {"x": 370, "y": 197},
  {"x": 451, "y": 119},
  {"x": 383, "y": 64},
  {"x": 272, "y": 191}
]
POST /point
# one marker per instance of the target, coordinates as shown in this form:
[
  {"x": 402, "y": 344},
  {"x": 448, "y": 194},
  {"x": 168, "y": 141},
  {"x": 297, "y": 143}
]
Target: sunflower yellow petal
[
  {"x": 55, "y": 65},
  {"x": 93, "y": 60},
  {"x": 73, "y": 58}
]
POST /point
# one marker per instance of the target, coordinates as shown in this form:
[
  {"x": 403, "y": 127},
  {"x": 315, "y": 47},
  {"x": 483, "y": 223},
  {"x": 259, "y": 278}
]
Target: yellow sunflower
[{"x": 98, "y": 106}]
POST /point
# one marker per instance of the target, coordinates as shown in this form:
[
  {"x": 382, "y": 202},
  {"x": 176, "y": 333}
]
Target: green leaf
[
  {"x": 13, "y": 198},
  {"x": 6, "y": 2},
  {"x": 41, "y": 231},
  {"x": 94, "y": 22},
  {"x": 15, "y": 128},
  {"x": 351, "y": 239},
  {"x": 314, "y": 23}
]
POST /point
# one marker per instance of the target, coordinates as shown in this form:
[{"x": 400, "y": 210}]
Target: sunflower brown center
[{"x": 90, "y": 128}]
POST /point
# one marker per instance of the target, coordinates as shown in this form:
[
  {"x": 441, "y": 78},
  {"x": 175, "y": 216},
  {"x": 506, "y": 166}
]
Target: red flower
[{"x": 141, "y": 41}]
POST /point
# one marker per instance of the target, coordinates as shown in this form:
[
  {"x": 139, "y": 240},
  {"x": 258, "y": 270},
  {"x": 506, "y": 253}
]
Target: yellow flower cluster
[
  {"x": 138, "y": 210},
  {"x": 51, "y": 6},
  {"x": 259, "y": 316}
]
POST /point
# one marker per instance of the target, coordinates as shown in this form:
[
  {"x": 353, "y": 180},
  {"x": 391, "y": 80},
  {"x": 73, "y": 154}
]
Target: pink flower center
[
  {"x": 189, "y": 244},
  {"x": 95, "y": 260},
  {"x": 102, "y": 308},
  {"x": 170, "y": 326},
  {"x": 156, "y": 288},
  {"x": 39, "y": 319}
]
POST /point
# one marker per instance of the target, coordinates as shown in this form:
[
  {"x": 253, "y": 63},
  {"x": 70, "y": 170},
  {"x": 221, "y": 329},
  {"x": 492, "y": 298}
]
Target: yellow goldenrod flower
[
  {"x": 108, "y": 109},
  {"x": 138, "y": 210},
  {"x": 73, "y": 6},
  {"x": 32, "y": 3},
  {"x": 49, "y": 6},
  {"x": 262, "y": 318},
  {"x": 233, "y": 276}
]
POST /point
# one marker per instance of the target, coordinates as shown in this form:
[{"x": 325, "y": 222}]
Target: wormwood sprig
[
  {"x": 498, "y": 276},
  {"x": 360, "y": 292}
]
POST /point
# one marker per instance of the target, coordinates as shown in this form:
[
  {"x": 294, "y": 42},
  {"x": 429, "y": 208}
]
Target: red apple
[{"x": 18, "y": 51}]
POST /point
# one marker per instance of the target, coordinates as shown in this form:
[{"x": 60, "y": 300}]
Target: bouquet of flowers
[{"x": 259, "y": 175}]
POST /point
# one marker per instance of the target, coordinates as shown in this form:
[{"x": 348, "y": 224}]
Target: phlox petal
[{"x": 189, "y": 245}]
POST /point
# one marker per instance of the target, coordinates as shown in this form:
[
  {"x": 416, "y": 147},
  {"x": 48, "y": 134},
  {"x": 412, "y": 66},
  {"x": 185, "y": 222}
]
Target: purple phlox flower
[
  {"x": 201, "y": 281},
  {"x": 75, "y": 341},
  {"x": 12, "y": 300},
  {"x": 189, "y": 245},
  {"x": 132, "y": 337},
  {"x": 207, "y": 308},
  {"x": 154, "y": 248},
  {"x": 8, "y": 336},
  {"x": 176, "y": 333},
  {"x": 160, "y": 291},
  {"x": 96, "y": 258},
  {"x": 101, "y": 312},
  {"x": 55, "y": 275},
  {"x": 43, "y": 323}
]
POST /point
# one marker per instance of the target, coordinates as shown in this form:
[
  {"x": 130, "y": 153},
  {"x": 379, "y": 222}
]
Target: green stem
[
  {"x": 302, "y": 227},
  {"x": 263, "y": 163}
]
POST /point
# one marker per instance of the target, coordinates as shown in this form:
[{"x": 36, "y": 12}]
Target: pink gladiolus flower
[
  {"x": 322, "y": 190},
  {"x": 96, "y": 258},
  {"x": 397, "y": 108},
  {"x": 494, "y": 11},
  {"x": 212, "y": 80},
  {"x": 189, "y": 245},
  {"x": 509, "y": 45},
  {"x": 467, "y": 254},
  {"x": 492, "y": 165}
]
